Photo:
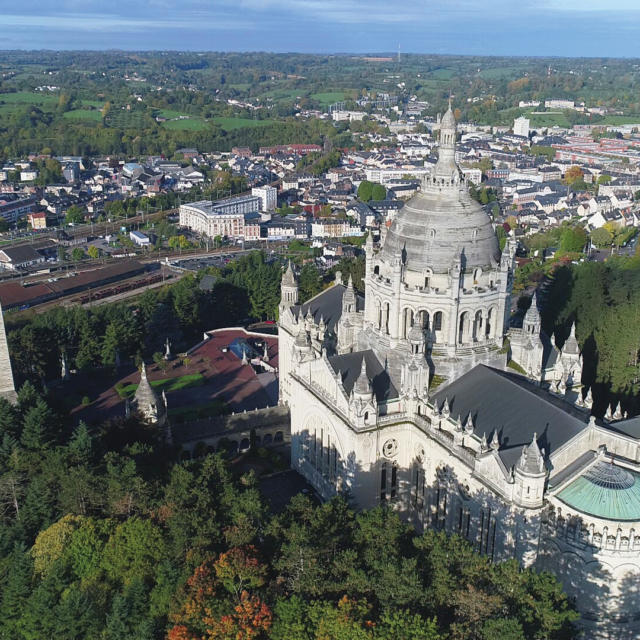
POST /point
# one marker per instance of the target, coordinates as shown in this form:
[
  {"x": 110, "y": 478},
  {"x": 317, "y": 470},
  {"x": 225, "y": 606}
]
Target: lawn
[
  {"x": 443, "y": 74},
  {"x": 98, "y": 104},
  {"x": 328, "y": 97},
  {"x": 229, "y": 124},
  {"x": 167, "y": 384},
  {"x": 170, "y": 113},
  {"x": 122, "y": 119},
  {"x": 83, "y": 114},
  {"x": 28, "y": 97}
]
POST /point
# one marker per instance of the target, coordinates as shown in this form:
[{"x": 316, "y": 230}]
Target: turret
[
  {"x": 532, "y": 323},
  {"x": 146, "y": 402},
  {"x": 349, "y": 298},
  {"x": 288, "y": 289},
  {"x": 530, "y": 475},
  {"x": 362, "y": 401}
]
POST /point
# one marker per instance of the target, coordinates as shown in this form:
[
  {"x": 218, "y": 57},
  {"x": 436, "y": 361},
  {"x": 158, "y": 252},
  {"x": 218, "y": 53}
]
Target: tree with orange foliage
[
  {"x": 180, "y": 632},
  {"x": 251, "y": 619},
  {"x": 199, "y": 602}
]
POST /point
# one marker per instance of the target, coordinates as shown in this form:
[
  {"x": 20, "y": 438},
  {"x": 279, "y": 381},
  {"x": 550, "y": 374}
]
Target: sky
[{"x": 481, "y": 27}]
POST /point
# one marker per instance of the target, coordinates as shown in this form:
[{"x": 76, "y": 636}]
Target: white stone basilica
[{"x": 513, "y": 463}]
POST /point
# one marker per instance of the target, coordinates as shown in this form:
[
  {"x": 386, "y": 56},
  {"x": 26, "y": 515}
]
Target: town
[{"x": 317, "y": 345}]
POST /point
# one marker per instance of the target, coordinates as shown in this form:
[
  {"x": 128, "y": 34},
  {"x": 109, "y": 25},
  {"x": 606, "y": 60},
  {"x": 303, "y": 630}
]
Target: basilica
[{"x": 419, "y": 395}]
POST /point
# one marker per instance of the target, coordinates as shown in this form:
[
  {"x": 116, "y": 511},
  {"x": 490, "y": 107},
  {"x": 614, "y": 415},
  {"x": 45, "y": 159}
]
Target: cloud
[{"x": 108, "y": 22}]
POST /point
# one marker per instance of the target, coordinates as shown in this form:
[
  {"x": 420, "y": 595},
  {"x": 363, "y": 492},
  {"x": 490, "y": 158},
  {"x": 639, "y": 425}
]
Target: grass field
[
  {"x": 28, "y": 97},
  {"x": 83, "y": 114},
  {"x": 442, "y": 74},
  {"x": 169, "y": 113},
  {"x": 168, "y": 384},
  {"x": 328, "y": 97},
  {"x": 229, "y": 124},
  {"x": 98, "y": 104},
  {"x": 122, "y": 119}
]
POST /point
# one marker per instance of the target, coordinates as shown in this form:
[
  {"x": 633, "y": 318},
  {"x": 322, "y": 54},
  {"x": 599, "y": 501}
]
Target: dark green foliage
[
  {"x": 603, "y": 300},
  {"x": 144, "y": 522}
]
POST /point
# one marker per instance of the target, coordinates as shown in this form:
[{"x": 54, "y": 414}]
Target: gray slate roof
[
  {"x": 327, "y": 304},
  {"x": 630, "y": 427},
  {"x": 515, "y": 407},
  {"x": 350, "y": 364}
]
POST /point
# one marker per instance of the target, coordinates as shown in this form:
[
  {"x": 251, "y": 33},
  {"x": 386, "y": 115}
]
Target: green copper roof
[{"x": 606, "y": 491}]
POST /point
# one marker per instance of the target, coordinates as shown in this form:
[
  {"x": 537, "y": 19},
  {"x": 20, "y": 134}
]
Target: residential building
[
  {"x": 268, "y": 197},
  {"x": 521, "y": 127}
]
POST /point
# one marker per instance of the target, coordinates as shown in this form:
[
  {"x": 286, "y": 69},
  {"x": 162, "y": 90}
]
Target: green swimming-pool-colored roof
[{"x": 605, "y": 490}]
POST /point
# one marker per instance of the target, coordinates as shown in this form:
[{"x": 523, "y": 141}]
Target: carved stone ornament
[{"x": 390, "y": 448}]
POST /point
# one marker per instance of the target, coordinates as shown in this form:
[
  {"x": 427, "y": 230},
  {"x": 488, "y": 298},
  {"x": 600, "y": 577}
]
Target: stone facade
[{"x": 504, "y": 460}]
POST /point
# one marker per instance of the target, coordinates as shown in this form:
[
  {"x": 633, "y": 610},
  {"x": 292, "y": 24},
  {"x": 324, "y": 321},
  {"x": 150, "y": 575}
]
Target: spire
[
  {"x": 469, "y": 427},
  {"x": 608, "y": 416},
  {"x": 146, "y": 400},
  {"x": 349, "y": 298},
  {"x": 617, "y": 414},
  {"x": 7, "y": 386},
  {"x": 570, "y": 346},
  {"x": 362, "y": 385},
  {"x": 532, "y": 317},
  {"x": 445, "y": 408},
  {"x": 532, "y": 459},
  {"x": 588, "y": 399},
  {"x": 495, "y": 443},
  {"x": 244, "y": 355},
  {"x": 483, "y": 443},
  {"x": 265, "y": 352},
  {"x": 446, "y": 167},
  {"x": 289, "y": 277}
]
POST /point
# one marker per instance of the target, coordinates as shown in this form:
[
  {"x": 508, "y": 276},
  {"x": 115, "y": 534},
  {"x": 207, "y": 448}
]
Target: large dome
[
  {"x": 437, "y": 226},
  {"x": 442, "y": 223}
]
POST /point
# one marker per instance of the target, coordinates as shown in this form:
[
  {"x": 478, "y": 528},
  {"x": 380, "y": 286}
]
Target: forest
[
  {"x": 603, "y": 299},
  {"x": 105, "y": 533}
]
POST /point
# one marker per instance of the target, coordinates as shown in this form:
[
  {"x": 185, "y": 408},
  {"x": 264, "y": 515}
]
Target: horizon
[{"x": 549, "y": 28}]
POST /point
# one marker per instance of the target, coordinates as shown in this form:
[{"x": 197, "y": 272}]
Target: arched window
[
  {"x": 463, "y": 327},
  {"x": 477, "y": 326},
  {"x": 376, "y": 269},
  {"x": 437, "y": 321},
  {"x": 424, "y": 320},
  {"x": 488, "y": 325}
]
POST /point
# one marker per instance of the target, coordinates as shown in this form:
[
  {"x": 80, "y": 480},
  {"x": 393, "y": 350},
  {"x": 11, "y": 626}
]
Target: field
[
  {"x": 328, "y": 97},
  {"x": 442, "y": 74},
  {"x": 229, "y": 124},
  {"x": 83, "y": 114},
  {"x": 122, "y": 119},
  {"x": 28, "y": 97}
]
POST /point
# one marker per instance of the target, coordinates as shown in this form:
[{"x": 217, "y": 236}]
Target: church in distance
[{"x": 513, "y": 463}]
